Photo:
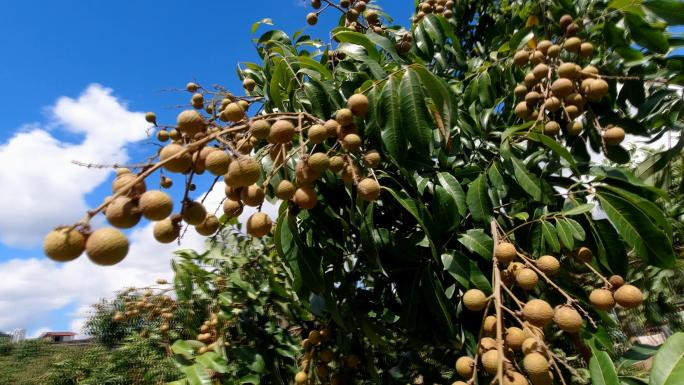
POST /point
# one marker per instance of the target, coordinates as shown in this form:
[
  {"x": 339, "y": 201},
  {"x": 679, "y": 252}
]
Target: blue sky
[{"x": 77, "y": 76}]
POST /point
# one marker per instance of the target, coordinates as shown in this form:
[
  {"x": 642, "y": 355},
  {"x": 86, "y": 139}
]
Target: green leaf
[
  {"x": 359, "y": 39},
  {"x": 213, "y": 361},
  {"x": 389, "y": 112},
  {"x": 416, "y": 121},
  {"x": 433, "y": 293},
  {"x": 478, "y": 201},
  {"x": 579, "y": 209},
  {"x": 602, "y": 369},
  {"x": 477, "y": 241},
  {"x": 554, "y": 146},
  {"x": 186, "y": 348},
  {"x": 450, "y": 183},
  {"x": 671, "y": 11},
  {"x": 530, "y": 183},
  {"x": 196, "y": 375},
  {"x": 629, "y": 6},
  {"x": 419, "y": 213},
  {"x": 668, "y": 363},
  {"x": 550, "y": 236},
  {"x": 646, "y": 35},
  {"x": 565, "y": 231},
  {"x": 577, "y": 229}
]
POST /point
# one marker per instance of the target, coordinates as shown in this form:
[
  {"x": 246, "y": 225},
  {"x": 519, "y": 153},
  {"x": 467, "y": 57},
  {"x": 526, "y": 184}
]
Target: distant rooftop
[{"x": 57, "y": 334}]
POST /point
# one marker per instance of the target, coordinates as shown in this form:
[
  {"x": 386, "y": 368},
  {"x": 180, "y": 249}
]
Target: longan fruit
[
  {"x": 175, "y": 162},
  {"x": 217, "y": 162},
  {"x": 505, "y": 252},
  {"x": 155, "y": 205},
  {"x": 358, "y": 104},
  {"x": 123, "y": 213},
  {"x": 166, "y": 231},
  {"x": 344, "y": 117},
  {"x": 551, "y": 128},
  {"x": 252, "y": 195},
  {"x": 305, "y": 197},
  {"x": 106, "y": 246},
  {"x": 514, "y": 338},
  {"x": 527, "y": 279},
  {"x": 521, "y": 58},
  {"x": 243, "y": 172},
  {"x": 190, "y": 122},
  {"x": 465, "y": 366},
  {"x": 613, "y": 136},
  {"x": 535, "y": 364},
  {"x": 319, "y": 161},
  {"x": 602, "y": 299},
  {"x": 232, "y": 208},
  {"x": 194, "y": 213},
  {"x": 282, "y": 131},
  {"x": 538, "y": 312},
  {"x": 628, "y": 296},
  {"x": 317, "y": 134},
  {"x": 372, "y": 159},
  {"x": 233, "y": 112},
  {"x": 474, "y": 300},
  {"x": 209, "y": 226},
  {"x": 285, "y": 190},
  {"x": 562, "y": 87},
  {"x": 368, "y": 189},
  {"x": 567, "y": 319},
  {"x": 259, "y": 224},
  {"x": 489, "y": 325},
  {"x": 583, "y": 254},
  {"x": 63, "y": 245},
  {"x": 548, "y": 264},
  {"x": 490, "y": 361}
]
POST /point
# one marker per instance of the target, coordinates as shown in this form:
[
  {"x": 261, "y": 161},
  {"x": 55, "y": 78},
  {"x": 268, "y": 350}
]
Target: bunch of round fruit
[
  {"x": 557, "y": 88},
  {"x": 150, "y": 307},
  {"x": 353, "y": 9},
  {"x": 321, "y": 363},
  {"x": 438, "y": 7}
]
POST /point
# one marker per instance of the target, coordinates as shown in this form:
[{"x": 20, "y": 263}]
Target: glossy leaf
[
  {"x": 478, "y": 200},
  {"x": 668, "y": 363}
]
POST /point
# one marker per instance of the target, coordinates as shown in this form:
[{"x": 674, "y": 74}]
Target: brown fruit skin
[
  {"x": 535, "y": 364},
  {"x": 252, "y": 195},
  {"x": 551, "y": 128},
  {"x": 165, "y": 231},
  {"x": 194, "y": 213},
  {"x": 562, "y": 87},
  {"x": 331, "y": 127},
  {"x": 574, "y": 128},
  {"x": 595, "y": 89},
  {"x": 305, "y": 197},
  {"x": 358, "y": 104},
  {"x": 521, "y": 110},
  {"x": 243, "y": 172},
  {"x": 372, "y": 159},
  {"x": 123, "y": 181},
  {"x": 486, "y": 343},
  {"x": 572, "y": 44},
  {"x": 285, "y": 190},
  {"x": 565, "y": 21},
  {"x": 613, "y": 136},
  {"x": 180, "y": 163},
  {"x": 319, "y": 162},
  {"x": 548, "y": 264},
  {"x": 602, "y": 299},
  {"x": 232, "y": 113},
  {"x": 489, "y": 325},
  {"x": 248, "y": 84},
  {"x": 344, "y": 117},
  {"x": 317, "y": 134},
  {"x": 312, "y": 18},
  {"x": 351, "y": 142},
  {"x": 583, "y": 254},
  {"x": 107, "y": 246},
  {"x": 554, "y": 51},
  {"x": 514, "y": 378},
  {"x": 568, "y": 71},
  {"x": 530, "y": 80},
  {"x": 305, "y": 174},
  {"x": 586, "y": 50},
  {"x": 217, "y": 162},
  {"x": 514, "y": 338},
  {"x": 282, "y": 131},
  {"x": 368, "y": 189},
  {"x": 155, "y": 205},
  {"x": 540, "y": 71},
  {"x": 232, "y": 208},
  {"x": 301, "y": 378},
  {"x": 474, "y": 300},
  {"x": 532, "y": 97},
  {"x": 616, "y": 281},
  {"x": 336, "y": 163},
  {"x": 538, "y": 312},
  {"x": 63, "y": 245},
  {"x": 259, "y": 224},
  {"x": 628, "y": 296},
  {"x": 527, "y": 279},
  {"x": 520, "y": 90},
  {"x": 567, "y": 319},
  {"x": 521, "y": 58},
  {"x": 490, "y": 361},
  {"x": 552, "y": 104},
  {"x": 465, "y": 366},
  {"x": 530, "y": 345},
  {"x": 190, "y": 122},
  {"x": 122, "y": 213},
  {"x": 209, "y": 226},
  {"x": 260, "y": 128},
  {"x": 505, "y": 252}
]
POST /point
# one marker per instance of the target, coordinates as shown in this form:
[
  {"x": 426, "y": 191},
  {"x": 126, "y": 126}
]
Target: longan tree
[{"x": 449, "y": 193}]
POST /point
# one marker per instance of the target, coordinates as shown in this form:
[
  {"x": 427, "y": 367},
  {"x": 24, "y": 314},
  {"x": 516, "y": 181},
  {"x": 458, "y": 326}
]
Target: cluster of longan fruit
[
  {"x": 438, "y": 7},
  {"x": 321, "y": 363},
  {"x": 556, "y": 88},
  {"x": 208, "y": 334},
  {"x": 353, "y": 10},
  {"x": 524, "y": 343},
  {"x": 149, "y": 306}
]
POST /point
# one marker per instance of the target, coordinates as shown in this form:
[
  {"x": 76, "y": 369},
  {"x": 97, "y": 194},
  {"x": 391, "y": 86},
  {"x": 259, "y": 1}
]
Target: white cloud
[{"x": 38, "y": 179}]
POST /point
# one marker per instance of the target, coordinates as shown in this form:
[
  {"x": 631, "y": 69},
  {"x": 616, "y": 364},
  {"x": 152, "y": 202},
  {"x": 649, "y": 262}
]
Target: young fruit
[
  {"x": 190, "y": 122},
  {"x": 538, "y": 312},
  {"x": 282, "y": 131},
  {"x": 151, "y": 117},
  {"x": 317, "y": 134},
  {"x": 344, "y": 117},
  {"x": 490, "y": 361},
  {"x": 465, "y": 366},
  {"x": 474, "y": 300},
  {"x": 527, "y": 279},
  {"x": 175, "y": 161},
  {"x": 602, "y": 299},
  {"x": 628, "y": 296},
  {"x": 232, "y": 208},
  {"x": 368, "y": 189},
  {"x": 123, "y": 213},
  {"x": 505, "y": 252},
  {"x": 166, "y": 231},
  {"x": 548, "y": 264},
  {"x": 243, "y": 172},
  {"x": 194, "y": 213},
  {"x": 162, "y": 135},
  {"x": 535, "y": 364},
  {"x": 567, "y": 319},
  {"x": 312, "y": 18},
  {"x": 209, "y": 226},
  {"x": 616, "y": 281},
  {"x": 107, "y": 246},
  {"x": 358, "y": 104},
  {"x": 613, "y": 136},
  {"x": 217, "y": 162},
  {"x": 305, "y": 197},
  {"x": 259, "y": 224},
  {"x": 319, "y": 162},
  {"x": 514, "y": 338},
  {"x": 63, "y": 245}
]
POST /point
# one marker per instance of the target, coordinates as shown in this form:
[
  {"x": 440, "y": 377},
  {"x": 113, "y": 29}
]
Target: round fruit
[
  {"x": 568, "y": 71},
  {"x": 584, "y": 254},
  {"x": 232, "y": 113},
  {"x": 590, "y": 72},
  {"x": 305, "y": 197},
  {"x": 521, "y": 58},
  {"x": 198, "y": 100},
  {"x": 474, "y": 300},
  {"x": 465, "y": 366},
  {"x": 540, "y": 71},
  {"x": 331, "y": 127},
  {"x": 532, "y": 97},
  {"x": 301, "y": 378},
  {"x": 574, "y": 128},
  {"x": 319, "y": 161},
  {"x": 551, "y": 128},
  {"x": 260, "y": 128},
  {"x": 527, "y": 279},
  {"x": 544, "y": 46},
  {"x": 565, "y": 21},
  {"x": 344, "y": 117},
  {"x": 166, "y": 231},
  {"x": 123, "y": 213},
  {"x": 572, "y": 44},
  {"x": 358, "y": 104},
  {"x": 368, "y": 189},
  {"x": 351, "y": 142},
  {"x": 285, "y": 190},
  {"x": 63, "y": 245},
  {"x": 529, "y": 80},
  {"x": 552, "y": 104},
  {"x": 628, "y": 296},
  {"x": 336, "y": 163},
  {"x": 514, "y": 338},
  {"x": 155, "y": 205},
  {"x": 613, "y": 136},
  {"x": 536, "y": 57},
  {"x": 248, "y": 84},
  {"x": 217, "y": 162},
  {"x": 505, "y": 252},
  {"x": 538, "y": 312},
  {"x": 586, "y": 49},
  {"x": 317, "y": 134},
  {"x": 572, "y": 111},
  {"x": 191, "y": 87},
  {"x": 616, "y": 281},
  {"x": 602, "y": 299},
  {"x": 282, "y": 131},
  {"x": 162, "y": 135},
  {"x": 176, "y": 160},
  {"x": 209, "y": 226},
  {"x": 259, "y": 224},
  {"x": 252, "y": 195},
  {"x": 371, "y": 159},
  {"x": 562, "y": 87},
  {"x": 535, "y": 364},
  {"x": 312, "y": 18},
  {"x": 575, "y": 99},
  {"x": 489, "y": 325},
  {"x": 514, "y": 378},
  {"x": 520, "y": 90},
  {"x": 151, "y": 117},
  {"x": 458, "y": 383},
  {"x": 548, "y": 264},
  {"x": 107, "y": 246},
  {"x": 190, "y": 122},
  {"x": 490, "y": 361},
  {"x": 232, "y": 208},
  {"x": 521, "y": 110},
  {"x": 304, "y": 173},
  {"x": 487, "y": 343},
  {"x": 531, "y": 345},
  {"x": 243, "y": 172},
  {"x": 595, "y": 89},
  {"x": 194, "y": 213},
  {"x": 567, "y": 319},
  {"x": 122, "y": 184},
  {"x": 554, "y": 51}
]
